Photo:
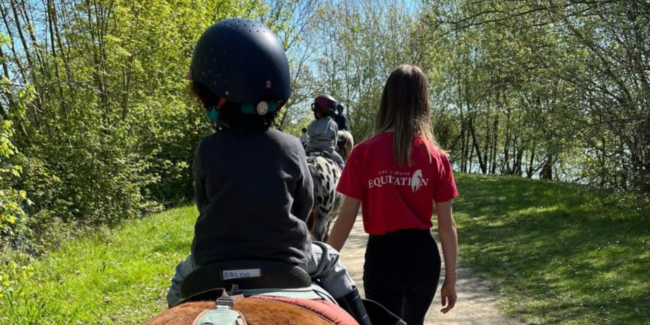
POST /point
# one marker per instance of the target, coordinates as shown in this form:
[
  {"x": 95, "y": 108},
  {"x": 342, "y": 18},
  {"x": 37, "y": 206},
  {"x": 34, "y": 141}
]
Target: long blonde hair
[{"x": 405, "y": 108}]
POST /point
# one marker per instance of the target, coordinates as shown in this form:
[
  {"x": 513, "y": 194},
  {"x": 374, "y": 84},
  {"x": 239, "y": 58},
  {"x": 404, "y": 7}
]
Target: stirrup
[{"x": 353, "y": 304}]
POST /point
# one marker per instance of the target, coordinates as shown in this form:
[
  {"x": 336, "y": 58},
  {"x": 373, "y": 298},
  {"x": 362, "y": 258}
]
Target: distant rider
[{"x": 323, "y": 131}]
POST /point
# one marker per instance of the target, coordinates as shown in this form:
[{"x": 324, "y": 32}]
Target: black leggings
[{"x": 401, "y": 272}]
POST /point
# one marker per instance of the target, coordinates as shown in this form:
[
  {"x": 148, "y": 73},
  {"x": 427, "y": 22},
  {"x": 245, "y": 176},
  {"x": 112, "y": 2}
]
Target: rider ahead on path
[
  {"x": 323, "y": 131},
  {"x": 253, "y": 186},
  {"x": 340, "y": 119}
]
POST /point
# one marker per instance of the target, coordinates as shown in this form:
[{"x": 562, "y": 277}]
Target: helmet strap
[
  {"x": 213, "y": 112},
  {"x": 213, "y": 116}
]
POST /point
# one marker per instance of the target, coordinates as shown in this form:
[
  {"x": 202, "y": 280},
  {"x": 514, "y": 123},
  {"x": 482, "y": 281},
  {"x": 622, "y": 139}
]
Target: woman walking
[{"x": 399, "y": 175}]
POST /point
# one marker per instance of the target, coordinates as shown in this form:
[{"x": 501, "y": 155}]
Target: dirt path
[{"x": 475, "y": 306}]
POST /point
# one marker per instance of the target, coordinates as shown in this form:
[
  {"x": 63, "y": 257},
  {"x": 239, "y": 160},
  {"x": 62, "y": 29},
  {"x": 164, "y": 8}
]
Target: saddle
[
  {"x": 231, "y": 310},
  {"x": 324, "y": 154},
  {"x": 242, "y": 284},
  {"x": 319, "y": 153},
  {"x": 233, "y": 276}
]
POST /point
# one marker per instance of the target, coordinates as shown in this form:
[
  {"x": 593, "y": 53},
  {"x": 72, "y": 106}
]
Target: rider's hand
[{"x": 448, "y": 296}]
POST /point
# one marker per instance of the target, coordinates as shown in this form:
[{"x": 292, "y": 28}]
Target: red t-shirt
[{"x": 394, "y": 197}]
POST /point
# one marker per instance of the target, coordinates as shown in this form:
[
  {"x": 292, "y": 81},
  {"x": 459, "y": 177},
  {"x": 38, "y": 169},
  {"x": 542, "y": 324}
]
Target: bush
[{"x": 12, "y": 201}]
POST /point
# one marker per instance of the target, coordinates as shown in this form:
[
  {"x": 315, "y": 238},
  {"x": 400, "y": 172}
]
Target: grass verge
[
  {"x": 556, "y": 253},
  {"x": 112, "y": 276}
]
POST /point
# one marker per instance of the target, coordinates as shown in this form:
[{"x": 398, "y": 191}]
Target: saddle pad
[
  {"x": 312, "y": 292},
  {"x": 325, "y": 309}
]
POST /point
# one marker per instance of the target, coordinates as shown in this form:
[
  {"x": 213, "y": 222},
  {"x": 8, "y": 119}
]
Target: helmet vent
[{"x": 223, "y": 61}]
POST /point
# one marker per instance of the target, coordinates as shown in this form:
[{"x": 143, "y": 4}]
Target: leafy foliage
[
  {"x": 13, "y": 218},
  {"x": 110, "y": 131},
  {"x": 553, "y": 90},
  {"x": 96, "y": 123}
]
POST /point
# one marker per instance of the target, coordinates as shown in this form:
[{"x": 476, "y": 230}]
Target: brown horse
[
  {"x": 259, "y": 310},
  {"x": 256, "y": 297},
  {"x": 256, "y": 311}
]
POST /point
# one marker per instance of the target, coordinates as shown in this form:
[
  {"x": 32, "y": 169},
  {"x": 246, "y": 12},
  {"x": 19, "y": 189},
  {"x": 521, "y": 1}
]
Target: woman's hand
[
  {"x": 449, "y": 242},
  {"x": 448, "y": 296}
]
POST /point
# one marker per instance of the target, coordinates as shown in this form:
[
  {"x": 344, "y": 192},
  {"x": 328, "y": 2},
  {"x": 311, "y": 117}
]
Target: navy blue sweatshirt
[{"x": 254, "y": 194}]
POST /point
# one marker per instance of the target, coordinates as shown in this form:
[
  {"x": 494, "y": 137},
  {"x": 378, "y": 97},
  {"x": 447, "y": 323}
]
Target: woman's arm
[
  {"x": 344, "y": 223},
  {"x": 449, "y": 242}
]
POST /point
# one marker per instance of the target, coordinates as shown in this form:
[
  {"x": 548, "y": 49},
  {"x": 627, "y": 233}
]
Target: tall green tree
[
  {"x": 565, "y": 82},
  {"x": 356, "y": 46}
]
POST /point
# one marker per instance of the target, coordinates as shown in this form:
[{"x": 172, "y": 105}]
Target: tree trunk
[
  {"x": 481, "y": 162},
  {"x": 531, "y": 170},
  {"x": 495, "y": 138},
  {"x": 547, "y": 169}
]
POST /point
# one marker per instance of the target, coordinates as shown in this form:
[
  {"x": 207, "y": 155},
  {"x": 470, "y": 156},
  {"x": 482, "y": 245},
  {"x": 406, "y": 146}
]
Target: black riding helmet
[
  {"x": 324, "y": 104},
  {"x": 241, "y": 62}
]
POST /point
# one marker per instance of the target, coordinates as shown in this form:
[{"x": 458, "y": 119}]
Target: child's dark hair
[{"x": 230, "y": 113}]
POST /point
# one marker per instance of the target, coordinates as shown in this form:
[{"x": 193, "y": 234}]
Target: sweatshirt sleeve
[
  {"x": 352, "y": 182},
  {"x": 445, "y": 189},
  {"x": 199, "y": 178},
  {"x": 304, "y": 192}
]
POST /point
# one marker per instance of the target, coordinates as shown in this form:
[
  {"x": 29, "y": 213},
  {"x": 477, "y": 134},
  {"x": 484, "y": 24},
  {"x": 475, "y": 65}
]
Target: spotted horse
[{"x": 326, "y": 174}]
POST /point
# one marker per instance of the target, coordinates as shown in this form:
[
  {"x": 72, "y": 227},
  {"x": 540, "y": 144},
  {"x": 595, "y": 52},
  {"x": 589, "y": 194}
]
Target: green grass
[
  {"x": 556, "y": 253},
  {"x": 116, "y": 276},
  {"x": 552, "y": 253}
]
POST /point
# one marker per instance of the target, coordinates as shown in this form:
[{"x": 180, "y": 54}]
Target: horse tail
[{"x": 345, "y": 144}]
